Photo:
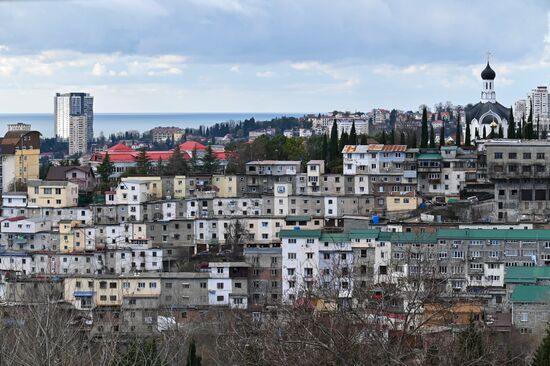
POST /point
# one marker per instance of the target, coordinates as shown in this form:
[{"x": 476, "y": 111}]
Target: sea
[{"x": 109, "y": 123}]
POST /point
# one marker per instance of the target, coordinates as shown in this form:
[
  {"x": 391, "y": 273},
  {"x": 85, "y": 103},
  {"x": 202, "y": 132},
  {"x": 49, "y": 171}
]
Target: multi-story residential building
[
  {"x": 20, "y": 155},
  {"x": 228, "y": 284},
  {"x": 78, "y": 134},
  {"x": 519, "y": 171},
  {"x": 19, "y": 127},
  {"x": 161, "y": 134},
  {"x": 537, "y": 103},
  {"x": 344, "y": 123},
  {"x": 68, "y": 105},
  {"x": 83, "y": 176},
  {"x": 265, "y": 278},
  {"x": 52, "y": 194}
]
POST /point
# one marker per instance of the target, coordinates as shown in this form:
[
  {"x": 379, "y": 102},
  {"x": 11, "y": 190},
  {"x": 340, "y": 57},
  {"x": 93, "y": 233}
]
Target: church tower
[{"x": 488, "y": 87}]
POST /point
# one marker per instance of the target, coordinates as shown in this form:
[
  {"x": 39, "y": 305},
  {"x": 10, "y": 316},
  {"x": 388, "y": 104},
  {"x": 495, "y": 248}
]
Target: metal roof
[
  {"x": 494, "y": 234},
  {"x": 527, "y": 274},
  {"x": 298, "y": 218},
  {"x": 531, "y": 294}
]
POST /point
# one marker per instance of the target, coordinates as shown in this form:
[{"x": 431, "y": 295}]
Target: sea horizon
[{"x": 115, "y": 122}]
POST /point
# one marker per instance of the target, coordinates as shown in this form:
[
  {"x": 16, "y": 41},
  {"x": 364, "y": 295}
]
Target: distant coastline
[{"x": 119, "y": 122}]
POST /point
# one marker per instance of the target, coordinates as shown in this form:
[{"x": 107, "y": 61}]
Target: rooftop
[
  {"x": 531, "y": 294},
  {"x": 527, "y": 274}
]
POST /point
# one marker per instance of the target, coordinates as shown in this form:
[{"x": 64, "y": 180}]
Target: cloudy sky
[{"x": 268, "y": 55}]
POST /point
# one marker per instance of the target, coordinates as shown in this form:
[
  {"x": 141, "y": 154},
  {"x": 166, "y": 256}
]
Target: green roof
[
  {"x": 533, "y": 293},
  {"x": 300, "y": 233},
  {"x": 335, "y": 237},
  {"x": 417, "y": 238},
  {"x": 298, "y": 218},
  {"x": 428, "y": 156},
  {"x": 527, "y": 274},
  {"x": 364, "y": 233},
  {"x": 496, "y": 234}
]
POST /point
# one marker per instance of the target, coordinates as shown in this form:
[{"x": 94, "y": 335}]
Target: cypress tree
[
  {"x": 442, "y": 135},
  {"x": 324, "y": 149},
  {"x": 484, "y": 133},
  {"x": 392, "y": 137},
  {"x": 344, "y": 139},
  {"x": 467, "y": 136},
  {"x": 458, "y": 131},
  {"x": 424, "y": 134},
  {"x": 413, "y": 140},
  {"x": 353, "y": 134},
  {"x": 542, "y": 354},
  {"x": 538, "y": 129},
  {"x": 383, "y": 138},
  {"x": 477, "y": 134},
  {"x": 333, "y": 147},
  {"x": 511, "y": 125},
  {"x": 500, "y": 132},
  {"x": 364, "y": 139},
  {"x": 192, "y": 358},
  {"x": 432, "y": 137}
]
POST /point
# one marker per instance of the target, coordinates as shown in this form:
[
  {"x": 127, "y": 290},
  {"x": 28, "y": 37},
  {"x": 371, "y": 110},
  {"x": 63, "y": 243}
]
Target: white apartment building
[
  {"x": 68, "y": 105},
  {"x": 78, "y": 135}
]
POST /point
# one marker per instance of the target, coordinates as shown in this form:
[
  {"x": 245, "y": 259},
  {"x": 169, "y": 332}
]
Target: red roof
[
  {"x": 192, "y": 145},
  {"x": 128, "y": 157},
  {"x": 17, "y": 218},
  {"x": 119, "y": 148}
]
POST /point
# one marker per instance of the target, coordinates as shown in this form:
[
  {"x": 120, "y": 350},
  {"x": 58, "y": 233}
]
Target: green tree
[
  {"x": 511, "y": 125},
  {"x": 177, "y": 165},
  {"x": 467, "y": 135},
  {"x": 500, "y": 132},
  {"x": 333, "y": 147},
  {"x": 364, "y": 140},
  {"x": 392, "y": 137},
  {"x": 192, "y": 358},
  {"x": 324, "y": 150},
  {"x": 343, "y": 140},
  {"x": 484, "y": 133},
  {"x": 294, "y": 148},
  {"x": 458, "y": 131},
  {"x": 477, "y": 134},
  {"x": 194, "y": 162},
  {"x": 210, "y": 163},
  {"x": 537, "y": 136},
  {"x": 105, "y": 169},
  {"x": 432, "y": 137},
  {"x": 383, "y": 139},
  {"x": 143, "y": 162},
  {"x": 353, "y": 134},
  {"x": 424, "y": 134}
]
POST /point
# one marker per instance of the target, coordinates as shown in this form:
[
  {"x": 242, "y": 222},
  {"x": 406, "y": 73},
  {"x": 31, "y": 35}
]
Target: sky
[{"x": 268, "y": 55}]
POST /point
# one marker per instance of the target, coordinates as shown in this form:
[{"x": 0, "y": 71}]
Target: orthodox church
[{"x": 488, "y": 113}]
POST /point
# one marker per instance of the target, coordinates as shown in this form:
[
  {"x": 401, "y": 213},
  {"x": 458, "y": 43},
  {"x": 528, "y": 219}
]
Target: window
[
  {"x": 498, "y": 155},
  {"x": 524, "y": 317},
  {"x": 540, "y": 155},
  {"x": 291, "y": 255},
  {"x": 219, "y": 285},
  {"x": 527, "y": 155}
]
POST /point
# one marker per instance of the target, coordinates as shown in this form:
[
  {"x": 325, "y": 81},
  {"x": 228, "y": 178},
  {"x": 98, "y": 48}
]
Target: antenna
[{"x": 488, "y": 56}]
